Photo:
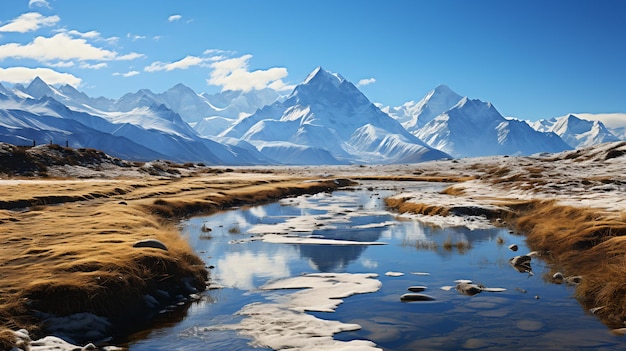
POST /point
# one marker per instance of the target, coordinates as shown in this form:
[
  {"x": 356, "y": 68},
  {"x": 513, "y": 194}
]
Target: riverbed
[{"x": 350, "y": 233}]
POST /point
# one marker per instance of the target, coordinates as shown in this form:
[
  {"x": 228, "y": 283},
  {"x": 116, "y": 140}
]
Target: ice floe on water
[
  {"x": 283, "y": 239},
  {"x": 283, "y": 323},
  {"x": 394, "y": 274}
]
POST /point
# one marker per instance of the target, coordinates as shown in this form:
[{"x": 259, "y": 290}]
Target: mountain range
[
  {"x": 325, "y": 120},
  {"x": 575, "y": 131}
]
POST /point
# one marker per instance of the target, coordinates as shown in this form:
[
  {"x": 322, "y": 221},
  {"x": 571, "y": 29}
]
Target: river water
[{"x": 530, "y": 313}]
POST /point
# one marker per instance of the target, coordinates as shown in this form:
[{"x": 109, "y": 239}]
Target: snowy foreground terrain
[{"x": 590, "y": 178}]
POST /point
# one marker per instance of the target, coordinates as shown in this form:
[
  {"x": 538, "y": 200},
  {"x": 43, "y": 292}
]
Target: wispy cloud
[
  {"x": 367, "y": 81},
  {"x": 87, "y": 35},
  {"x": 208, "y": 52},
  {"x": 93, "y": 66},
  {"x": 29, "y": 22},
  {"x": 38, "y": 3},
  {"x": 174, "y": 18},
  {"x": 61, "y": 47},
  {"x": 234, "y": 74},
  {"x": 128, "y": 57},
  {"x": 127, "y": 74},
  {"x": 62, "y": 64},
  {"x": 184, "y": 63},
  {"x": 26, "y": 75},
  {"x": 135, "y": 37}
]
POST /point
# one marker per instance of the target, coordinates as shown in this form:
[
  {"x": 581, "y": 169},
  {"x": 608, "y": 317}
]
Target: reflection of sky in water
[{"x": 453, "y": 321}]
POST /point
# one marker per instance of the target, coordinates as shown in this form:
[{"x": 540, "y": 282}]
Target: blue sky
[{"x": 531, "y": 59}]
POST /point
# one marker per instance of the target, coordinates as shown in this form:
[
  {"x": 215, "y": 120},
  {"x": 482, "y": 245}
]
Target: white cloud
[
  {"x": 135, "y": 37},
  {"x": 112, "y": 40},
  {"x": 184, "y": 63},
  {"x": 38, "y": 3},
  {"x": 29, "y": 22},
  {"x": 62, "y": 64},
  {"x": 127, "y": 74},
  {"x": 364, "y": 82},
  {"x": 24, "y": 75},
  {"x": 216, "y": 52},
  {"x": 87, "y": 35},
  {"x": 234, "y": 74},
  {"x": 128, "y": 57},
  {"x": 94, "y": 66},
  {"x": 173, "y": 18},
  {"x": 60, "y": 47}
]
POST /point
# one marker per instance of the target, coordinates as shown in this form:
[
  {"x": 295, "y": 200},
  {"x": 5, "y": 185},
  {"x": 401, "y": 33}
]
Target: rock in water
[
  {"x": 417, "y": 288},
  {"x": 152, "y": 243},
  {"x": 520, "y": 260},
  {"x": 416, "y": 297},
  {"x": 521, "y": 263},
  {"x": 468, "y": 288}
]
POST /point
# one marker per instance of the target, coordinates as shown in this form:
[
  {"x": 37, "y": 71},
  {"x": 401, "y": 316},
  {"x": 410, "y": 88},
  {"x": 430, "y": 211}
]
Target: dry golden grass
[
  {"x": 453, "y": 190},
  {"x": 586, "y": 242},
  {"x": 403, "y": 206},
  {"x": 78, "y": 256}
]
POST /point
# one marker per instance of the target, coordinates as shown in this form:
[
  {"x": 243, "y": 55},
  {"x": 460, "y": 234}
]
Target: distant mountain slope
[
  {"x": 615, "y": 122},
  {"x": 415, "y": 115},
  {"x": 575, "y": 131},
  {"x": 141, "y": 133},
  {"x": 475, "y": 128},
  {"x": 327, "y": 112}
]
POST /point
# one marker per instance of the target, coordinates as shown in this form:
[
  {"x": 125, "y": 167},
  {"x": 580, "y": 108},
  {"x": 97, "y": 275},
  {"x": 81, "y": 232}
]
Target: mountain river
[{"x": 386, "y": 253}]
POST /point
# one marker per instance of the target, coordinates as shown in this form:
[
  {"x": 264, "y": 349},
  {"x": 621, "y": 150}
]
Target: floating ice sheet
[{"x": 284, "y": 325}]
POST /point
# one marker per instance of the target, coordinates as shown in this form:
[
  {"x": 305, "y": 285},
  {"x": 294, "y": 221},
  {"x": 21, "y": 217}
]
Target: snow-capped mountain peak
[
  {"x": 38, "y": 88},
  {"x": 575, "y": 131},
  {"x": 475, "y": 128},
  {"x": 414, "y": 115},
  {"x": 322, "y": 76},
  {"x": 327, "y": 112}
]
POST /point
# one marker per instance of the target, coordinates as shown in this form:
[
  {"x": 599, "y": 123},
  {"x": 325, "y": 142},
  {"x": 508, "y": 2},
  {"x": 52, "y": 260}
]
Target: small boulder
[
  {"x": 513, "y": 247},
  {"x": 416, "y": 297},
  {"x": 558, "y": 277},
  {"x": 522, "y": 263},
  {"x": 520, "y": 260},
  {"x": 151, "y": 243},
  {"x": 416, "y": 288},
  {"x": 469, "y": 289}
]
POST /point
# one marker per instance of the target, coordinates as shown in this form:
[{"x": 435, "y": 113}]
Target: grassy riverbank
[
  {"x": 67, "y": 244},
  {"x": 571, "y": 207}
]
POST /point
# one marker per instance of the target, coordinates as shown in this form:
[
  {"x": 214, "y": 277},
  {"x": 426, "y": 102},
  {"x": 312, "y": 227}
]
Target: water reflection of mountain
[
  {"x": 439, "y": 237},
  {"x": 333, "y": 258}
]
